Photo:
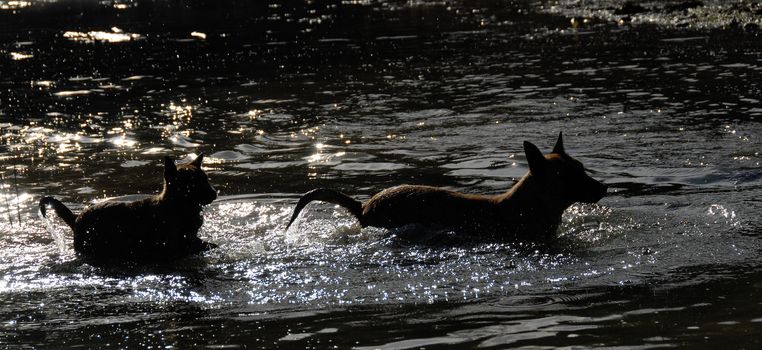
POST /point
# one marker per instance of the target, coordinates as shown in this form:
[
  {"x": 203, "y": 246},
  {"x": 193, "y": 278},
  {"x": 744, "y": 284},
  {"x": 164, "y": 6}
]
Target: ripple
[
  {"x": 130, "y": 164},
  {"x": 229, "y": 156},
  {"x": 370, "y": 166},
  {"x": 252, "y": 149},
  {"x": 183, "y": 141}
]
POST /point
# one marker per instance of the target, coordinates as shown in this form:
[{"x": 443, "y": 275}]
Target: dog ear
[
  {"x": 537, "y": 162},
  {"x": 559, "y": 147},
  {"x": 170, "y": 169},
  {"x": 197, "y": 162}
]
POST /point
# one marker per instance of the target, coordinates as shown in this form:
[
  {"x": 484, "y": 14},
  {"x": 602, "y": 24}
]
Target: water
[{"x": 359, "y": 96}]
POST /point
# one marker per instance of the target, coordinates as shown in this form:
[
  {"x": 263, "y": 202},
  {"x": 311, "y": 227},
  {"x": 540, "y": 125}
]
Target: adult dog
[{"x": 530, "y": 210}]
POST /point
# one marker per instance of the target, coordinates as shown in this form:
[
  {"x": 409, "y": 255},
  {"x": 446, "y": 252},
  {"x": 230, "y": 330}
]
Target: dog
[
  {"x": 159, "y": 228},
  {"x": 530, "y": 210}
]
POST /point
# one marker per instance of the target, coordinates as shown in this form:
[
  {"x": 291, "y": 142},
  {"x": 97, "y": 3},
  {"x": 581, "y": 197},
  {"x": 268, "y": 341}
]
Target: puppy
[
  {"x": 161, "y": 227},
  {"x": 531, "y": 210}
]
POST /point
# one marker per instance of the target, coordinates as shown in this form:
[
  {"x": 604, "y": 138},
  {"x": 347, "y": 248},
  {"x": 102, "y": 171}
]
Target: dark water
[{"x": 662, "y": 104}]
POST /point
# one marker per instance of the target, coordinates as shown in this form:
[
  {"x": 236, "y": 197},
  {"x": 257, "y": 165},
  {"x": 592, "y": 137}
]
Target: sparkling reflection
[
  {"x": 361, "y": 96},
  {"x": 116, "y": 35},
  {"x": 14, "y": 4},
  {"x": 123, "y": 141},
  {"x": 198, "y": 35},
  {"x": 18, "y": 56}
]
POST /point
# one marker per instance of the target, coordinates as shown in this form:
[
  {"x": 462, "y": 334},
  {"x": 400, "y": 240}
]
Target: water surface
[{"x": 284, "y": 97}]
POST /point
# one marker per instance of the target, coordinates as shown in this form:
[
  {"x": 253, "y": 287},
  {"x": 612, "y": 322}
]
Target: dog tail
[
  {"x": 60, "y": 209},
  {"x": 330, "y": 196}
]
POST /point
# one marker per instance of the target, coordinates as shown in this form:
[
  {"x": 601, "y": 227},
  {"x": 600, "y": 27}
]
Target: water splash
[
  {"x": 724, "y": 214},
  {"x": 58, "y": 236}
]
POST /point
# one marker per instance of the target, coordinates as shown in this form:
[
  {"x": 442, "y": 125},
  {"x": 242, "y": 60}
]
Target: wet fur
[
  {"x": 530, "y": 210},
  {"x": 159, "y": 228}
]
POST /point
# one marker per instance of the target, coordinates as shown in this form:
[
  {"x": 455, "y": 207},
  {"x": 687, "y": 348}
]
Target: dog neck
[
  {"x": 526, "y": 208},
  {"x": 171, "y": 201}
]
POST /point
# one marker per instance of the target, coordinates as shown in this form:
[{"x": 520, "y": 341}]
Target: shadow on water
[{"x": 286, "y": 96}]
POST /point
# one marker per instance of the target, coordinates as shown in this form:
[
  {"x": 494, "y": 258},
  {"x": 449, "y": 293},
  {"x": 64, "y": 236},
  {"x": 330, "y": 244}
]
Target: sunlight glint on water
[{"x": 364, "y": 95}]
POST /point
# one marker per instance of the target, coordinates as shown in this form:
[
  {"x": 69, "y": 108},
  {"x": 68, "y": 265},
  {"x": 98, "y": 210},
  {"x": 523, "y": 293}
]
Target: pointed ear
[
  {"x": 197, "y": 162},
  {"x": 537, "y": 162},
  {"x": 559, "y": 147},
  {"x": 170, "y": 169}
]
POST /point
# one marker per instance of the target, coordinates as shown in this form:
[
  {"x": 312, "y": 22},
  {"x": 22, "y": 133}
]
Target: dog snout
[
  {"x": 600, "y": 192},
  {"x": 604, "y": 189},
  {"x": 212, "y": 194},
  {"x": 592, "y": 190}
]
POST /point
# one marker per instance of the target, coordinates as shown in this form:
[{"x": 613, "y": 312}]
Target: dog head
[
  {"x": 561, "y": 177},
  {"x": 187, "y": 182}
]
